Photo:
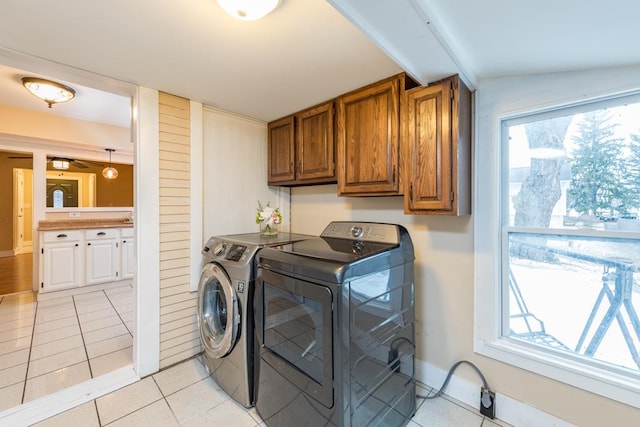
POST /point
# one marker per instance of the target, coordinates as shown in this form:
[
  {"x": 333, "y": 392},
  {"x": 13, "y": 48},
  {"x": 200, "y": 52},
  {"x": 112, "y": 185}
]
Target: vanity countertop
[{"x": 74, "y": 224}]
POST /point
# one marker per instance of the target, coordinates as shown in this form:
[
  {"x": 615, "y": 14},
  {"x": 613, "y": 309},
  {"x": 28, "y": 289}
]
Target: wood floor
[{"x": 16, "y": 274}]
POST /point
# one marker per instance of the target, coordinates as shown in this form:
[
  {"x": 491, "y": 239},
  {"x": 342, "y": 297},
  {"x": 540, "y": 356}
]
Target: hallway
[{"x": 16, "y": 274}]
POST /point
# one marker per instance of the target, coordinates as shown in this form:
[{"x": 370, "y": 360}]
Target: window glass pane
[
  {"x": 576, "y": 294},
  {"x": 577, "y": 169}
]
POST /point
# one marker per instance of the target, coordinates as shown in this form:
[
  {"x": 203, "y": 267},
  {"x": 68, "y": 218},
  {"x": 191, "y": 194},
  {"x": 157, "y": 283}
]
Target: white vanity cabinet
[
  {"x": 127, "y": 254},
  {"x": 102, "y": 255},
  {"x": 61, "y": 260},
  {"x": 84, "y": 257}
]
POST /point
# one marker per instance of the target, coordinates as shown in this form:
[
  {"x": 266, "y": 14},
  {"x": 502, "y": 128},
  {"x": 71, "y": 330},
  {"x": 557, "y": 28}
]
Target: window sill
[{"x": 618, "y": 384}]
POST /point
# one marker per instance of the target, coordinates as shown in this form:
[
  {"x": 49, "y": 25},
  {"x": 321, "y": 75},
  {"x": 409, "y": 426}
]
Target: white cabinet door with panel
[
  {"x": 102, "y": 255},
  {"x": 127, "y": 254},
  {"x": 61, "y": 265}
]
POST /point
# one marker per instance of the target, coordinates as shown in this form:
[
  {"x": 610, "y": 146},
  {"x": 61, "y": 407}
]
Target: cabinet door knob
[
  {"x": 61, "y": 236},
  {"x": 102, "y": 233}
]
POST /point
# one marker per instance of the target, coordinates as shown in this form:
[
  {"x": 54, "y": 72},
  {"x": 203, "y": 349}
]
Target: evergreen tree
[
  {"x": 597, "y": 167},
  {"x": 632, "y": 175}
]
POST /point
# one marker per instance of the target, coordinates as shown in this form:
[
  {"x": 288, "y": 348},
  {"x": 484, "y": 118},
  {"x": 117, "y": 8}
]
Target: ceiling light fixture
[
  {"x": 248, "y": 10},
  {"x": 110, "y": 172},
  {"x": 50, "y": 92},
  {"x": 60, "y": 164}
]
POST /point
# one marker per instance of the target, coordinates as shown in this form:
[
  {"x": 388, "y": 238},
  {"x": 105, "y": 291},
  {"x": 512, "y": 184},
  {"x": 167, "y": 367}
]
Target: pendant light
[
  {"x": 110, "y": 172},
  {"x": 47, "y": 90},
  {"x": 248, "y": 10}
]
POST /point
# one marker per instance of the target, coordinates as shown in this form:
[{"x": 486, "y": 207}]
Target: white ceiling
[{"x": 308, "y": 51}]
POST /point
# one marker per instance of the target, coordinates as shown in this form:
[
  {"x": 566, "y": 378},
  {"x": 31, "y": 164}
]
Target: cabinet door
[
  {"x": 314, "y": 144},
  {"x": 428, "y": 152},
  {"x": 102, "y": 261},
  {"x": 61, "y": 266},
  {"x": 367, "y": 133},
  {"x": 281, "y": 153},
  {"x": 437, "y": 149},
  {"x": 127, "y": 258}
]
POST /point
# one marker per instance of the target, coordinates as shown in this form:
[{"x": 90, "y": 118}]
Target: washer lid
[{"x": 218, "y": 314}]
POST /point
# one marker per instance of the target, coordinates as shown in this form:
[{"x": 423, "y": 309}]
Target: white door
[
  {"x": 103, "y": 261},
  {"x": 127, "y": 258},
  {"x": 18, "y": 210},
  {"x": 61, "y": 266}
]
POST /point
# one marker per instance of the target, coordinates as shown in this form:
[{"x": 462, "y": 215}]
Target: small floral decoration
[{"x": 268, "y": 217}]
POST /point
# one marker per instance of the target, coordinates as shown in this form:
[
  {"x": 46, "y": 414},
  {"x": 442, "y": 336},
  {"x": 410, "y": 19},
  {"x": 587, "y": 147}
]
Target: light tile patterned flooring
[
  {"x": 184, "y": 395},
  {"x": 58, "y": 342}
]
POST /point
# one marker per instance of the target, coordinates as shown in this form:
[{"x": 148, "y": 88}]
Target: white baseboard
[
  {"x": 6, "y": 253},
  {"x": 509, "y": 410},
  {"x": 52, "y": 404}
]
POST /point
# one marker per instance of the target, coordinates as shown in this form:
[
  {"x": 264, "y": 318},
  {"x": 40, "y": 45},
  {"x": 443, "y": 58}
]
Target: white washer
[{"x": 225, "y": 309}]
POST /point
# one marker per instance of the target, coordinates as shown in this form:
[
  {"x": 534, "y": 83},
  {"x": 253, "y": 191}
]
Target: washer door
[{"x": 218, "y": 314}]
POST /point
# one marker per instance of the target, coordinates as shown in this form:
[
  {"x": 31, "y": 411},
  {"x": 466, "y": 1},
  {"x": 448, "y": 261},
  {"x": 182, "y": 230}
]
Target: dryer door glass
[{"x": 219, "y": 319}]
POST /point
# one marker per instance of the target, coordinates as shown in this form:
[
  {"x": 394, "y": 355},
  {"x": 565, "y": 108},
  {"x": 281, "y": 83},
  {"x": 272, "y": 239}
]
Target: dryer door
[{"x": 218, "y": 314}]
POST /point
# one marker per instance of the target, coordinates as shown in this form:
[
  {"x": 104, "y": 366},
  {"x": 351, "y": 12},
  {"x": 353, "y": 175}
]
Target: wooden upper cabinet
[
  {"x": 367, "y": 139},
  {"x": 301, "y": 148},
  {"x": 315, "y": 145},
  {"x": 281, "y": 151},
  {"x": 437, "y": 149}
]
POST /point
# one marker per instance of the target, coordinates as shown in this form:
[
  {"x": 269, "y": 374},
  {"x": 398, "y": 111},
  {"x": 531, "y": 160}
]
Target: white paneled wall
[
  {"x": 179, "y": 338},
  {"x": 235, "y": 174}
]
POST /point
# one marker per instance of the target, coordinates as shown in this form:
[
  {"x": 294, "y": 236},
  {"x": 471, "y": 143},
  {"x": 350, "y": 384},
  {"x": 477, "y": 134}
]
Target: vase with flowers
[{"x": 268, "y": 218}]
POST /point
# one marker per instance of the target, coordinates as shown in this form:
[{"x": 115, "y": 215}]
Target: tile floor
[
  {"x": 184, "y": 395},
  {"x": 59, "y": 341}
]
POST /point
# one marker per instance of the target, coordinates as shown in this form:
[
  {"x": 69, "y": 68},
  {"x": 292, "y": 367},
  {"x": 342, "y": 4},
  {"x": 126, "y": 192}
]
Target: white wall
[{"x": 235, "y": 174}]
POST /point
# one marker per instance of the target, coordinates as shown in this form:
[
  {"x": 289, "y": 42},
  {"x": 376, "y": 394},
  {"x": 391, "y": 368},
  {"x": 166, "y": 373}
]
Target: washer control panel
[
  {"x": 235, "y": 252},
  {"x": 216, "y": 249}
]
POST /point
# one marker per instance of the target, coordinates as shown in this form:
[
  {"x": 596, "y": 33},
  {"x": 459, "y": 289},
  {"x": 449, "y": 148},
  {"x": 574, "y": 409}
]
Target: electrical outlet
[
  {"x": 487, "y": 403},
  {"x": 74, "y": 214}
]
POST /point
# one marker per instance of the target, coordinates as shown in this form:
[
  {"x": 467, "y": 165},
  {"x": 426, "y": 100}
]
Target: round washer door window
[{"x": 218, "y": 315}]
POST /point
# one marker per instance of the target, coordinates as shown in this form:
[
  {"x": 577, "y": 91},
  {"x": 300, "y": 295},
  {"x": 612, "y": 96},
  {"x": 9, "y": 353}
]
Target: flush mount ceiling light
[
  {"x": 110, "y": 172},
  {"x": 248, "y": 10},
  {"x": 50, "y": 92}
]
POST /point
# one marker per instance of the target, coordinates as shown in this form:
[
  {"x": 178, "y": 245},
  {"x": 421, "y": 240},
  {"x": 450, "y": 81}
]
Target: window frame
[{"x": 492, "y": 228}]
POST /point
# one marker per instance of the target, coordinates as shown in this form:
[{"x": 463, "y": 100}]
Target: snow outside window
[{"x": 569, "y": 293}]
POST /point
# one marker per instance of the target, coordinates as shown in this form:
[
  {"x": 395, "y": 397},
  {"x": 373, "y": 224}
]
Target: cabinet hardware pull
[
  {"x": 411, "y": 192},
  {"x": 77, "y": 244},
  {"x": 89, "y": 244},
  {"x": 61, "y": 236},
  {"x": 102, "y": 233}
]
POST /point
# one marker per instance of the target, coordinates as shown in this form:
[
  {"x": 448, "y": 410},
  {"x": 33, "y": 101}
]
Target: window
[{"x": 567, "y": 246}]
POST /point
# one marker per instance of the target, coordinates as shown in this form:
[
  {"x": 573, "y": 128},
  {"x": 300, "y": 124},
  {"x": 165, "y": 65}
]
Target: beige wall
[
  {"x": 48, "y": 127},
  {"x": 179, "y": 337}
]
